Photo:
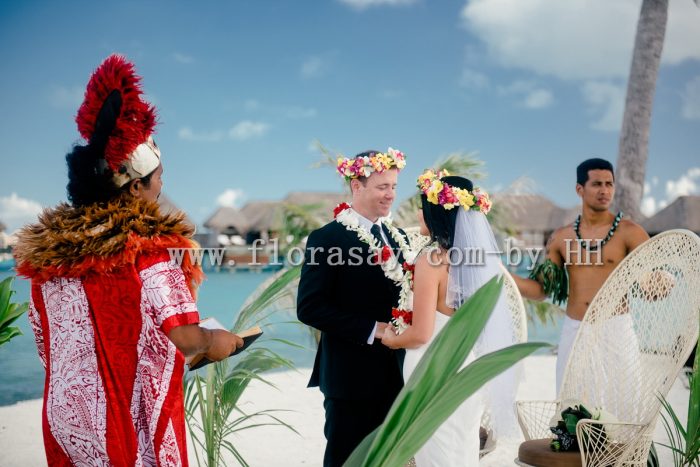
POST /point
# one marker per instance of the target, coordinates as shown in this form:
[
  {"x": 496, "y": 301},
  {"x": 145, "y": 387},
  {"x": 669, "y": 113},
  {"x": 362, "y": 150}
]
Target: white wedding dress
[{"x": 456, "y": 441}]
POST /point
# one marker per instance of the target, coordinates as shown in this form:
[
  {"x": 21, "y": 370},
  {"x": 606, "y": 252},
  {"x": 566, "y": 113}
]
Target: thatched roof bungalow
[
  {"x": 683, "y": 213},
  {"x": 228, "y": 221},
  {"x": 534, "y": 217}
]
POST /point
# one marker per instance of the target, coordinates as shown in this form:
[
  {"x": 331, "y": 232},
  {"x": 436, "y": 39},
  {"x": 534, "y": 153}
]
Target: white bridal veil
[{"x": 480, "y": 261}]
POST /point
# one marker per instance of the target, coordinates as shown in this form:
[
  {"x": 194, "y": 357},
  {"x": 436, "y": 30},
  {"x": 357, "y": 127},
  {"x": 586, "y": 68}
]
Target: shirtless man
[{"x": 588, "y": 250}]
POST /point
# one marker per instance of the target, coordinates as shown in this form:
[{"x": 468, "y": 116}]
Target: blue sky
[{"x": 243, "y": 88}]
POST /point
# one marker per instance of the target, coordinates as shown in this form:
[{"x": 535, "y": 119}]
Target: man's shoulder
[
  {"x": 633, "y": 233},
  {"x": 331, "y": 228},
  {"x": 630, "y": 225},
  {"x": 327, "y": 233},
  {"x": 562, "y": 233}
]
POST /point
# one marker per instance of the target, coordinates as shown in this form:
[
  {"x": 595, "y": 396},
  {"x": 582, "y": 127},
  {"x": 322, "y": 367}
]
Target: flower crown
[
  {"x": 448, "y": 196},
  {"x": 364, "y": 166}
]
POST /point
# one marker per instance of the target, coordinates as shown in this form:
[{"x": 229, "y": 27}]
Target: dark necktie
[{"x": 377, "y": 234}]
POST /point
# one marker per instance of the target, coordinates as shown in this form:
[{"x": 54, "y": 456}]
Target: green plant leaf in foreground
[
  {"x": 9, "y": 312},
  {"x": 250, "y": 314},
  {"x": 684, "y": 441},
  {"x": 437, "y": 386}
]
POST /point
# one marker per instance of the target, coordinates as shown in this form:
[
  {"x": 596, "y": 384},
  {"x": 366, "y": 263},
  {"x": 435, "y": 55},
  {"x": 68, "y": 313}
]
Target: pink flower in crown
[
  {"x": 483, "y": 201},
  {"x": 447, "y": 196}
]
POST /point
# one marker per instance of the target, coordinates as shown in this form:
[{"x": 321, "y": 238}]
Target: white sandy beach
[{"x": 21, "y": 440}]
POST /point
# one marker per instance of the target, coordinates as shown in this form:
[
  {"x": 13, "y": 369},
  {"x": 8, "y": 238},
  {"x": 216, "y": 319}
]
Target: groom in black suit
[{"x": 349, "y": 299}]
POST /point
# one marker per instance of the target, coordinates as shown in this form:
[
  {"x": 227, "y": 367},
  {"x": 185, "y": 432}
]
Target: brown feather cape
[{"x": 72, "y": 241}]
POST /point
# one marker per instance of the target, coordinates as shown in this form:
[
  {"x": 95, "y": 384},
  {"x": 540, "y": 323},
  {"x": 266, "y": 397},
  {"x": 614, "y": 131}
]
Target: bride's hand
[{"x": 390, "y": 337}]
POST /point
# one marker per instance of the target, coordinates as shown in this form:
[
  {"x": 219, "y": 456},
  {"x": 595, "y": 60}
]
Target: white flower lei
[{"x": 392, "y": 269}]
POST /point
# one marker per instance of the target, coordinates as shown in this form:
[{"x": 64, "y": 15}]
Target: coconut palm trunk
[{"x": 634, "y": 137}]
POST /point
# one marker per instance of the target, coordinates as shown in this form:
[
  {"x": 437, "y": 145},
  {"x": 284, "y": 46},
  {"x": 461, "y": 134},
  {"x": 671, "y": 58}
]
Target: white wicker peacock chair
[{"x": 631, "y": 345}]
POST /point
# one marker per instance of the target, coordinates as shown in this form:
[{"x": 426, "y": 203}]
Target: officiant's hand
[
  {"x": 216, "y": 344},
  {"x": 222, "y": 344}
]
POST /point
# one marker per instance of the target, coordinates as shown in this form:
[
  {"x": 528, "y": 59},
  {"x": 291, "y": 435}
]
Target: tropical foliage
[
  {"x": 437, "y": 386},
  {"x": 9, "y": 312},
  {"x": 685, "y": 440},
  {"x": 213, "y": 393},
  {"x": 298, "y": 222},
  {"x": 545, "y": 312}
]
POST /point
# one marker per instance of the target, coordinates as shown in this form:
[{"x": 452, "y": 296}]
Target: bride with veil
[{"x": 463, "y": 257}]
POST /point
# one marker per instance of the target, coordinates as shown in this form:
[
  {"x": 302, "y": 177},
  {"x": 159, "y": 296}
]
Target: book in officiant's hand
[{"x": 249, "y": 336}]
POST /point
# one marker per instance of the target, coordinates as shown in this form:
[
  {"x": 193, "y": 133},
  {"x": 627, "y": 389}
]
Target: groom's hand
[{"x": 381, "y": 327}]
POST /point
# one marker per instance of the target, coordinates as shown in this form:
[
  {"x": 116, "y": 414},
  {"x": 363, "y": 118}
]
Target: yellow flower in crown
[
  {"x": 364, "y": 166},
  {"x": 465, "y": 198},
  {"x": 434, "y": 190}
]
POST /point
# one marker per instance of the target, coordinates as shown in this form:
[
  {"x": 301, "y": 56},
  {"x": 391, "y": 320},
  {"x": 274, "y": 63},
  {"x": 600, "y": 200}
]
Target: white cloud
[
  {"x": 473, "y": 79},
  {"x": 182, "y": 58},
  {"x": 293, "y": 112},
  {"x": 251, "y": 104},
  {"x": 682, "y": 33},
  {"x": 313, "y": 67},
  {"x": 648, "y": 206},
  {"x": 687, "y": 184},
  {"x": 575, "y": 39},
  {"x": 247, "y": 129},
  {"x": 607, "y": 102},
  {"x": 300, "y": 112},
  {"x": 63, "y": 97},
  {"x": 529, "y": 94},
  {"x": 187, "y": 134},
  {"x": 16, "y": 211},
  {"x": 313, "y": 146},
  {"x": 691, "y": 99},
  {"x": 364, "y": 4},
  {"x": 649, "y": 203},
  {"x": 241, "y": 131},
  {"x": 538, "y": 99},
  {"x": 231, "y": 197}
]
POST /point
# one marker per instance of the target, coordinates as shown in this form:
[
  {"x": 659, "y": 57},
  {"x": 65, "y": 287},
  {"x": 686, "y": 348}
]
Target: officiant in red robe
[{"x": 113, "y": 316}]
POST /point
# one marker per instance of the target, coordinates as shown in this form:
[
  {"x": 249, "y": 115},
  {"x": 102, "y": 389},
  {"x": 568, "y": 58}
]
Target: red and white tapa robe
[{"x": 113, "y": 393}]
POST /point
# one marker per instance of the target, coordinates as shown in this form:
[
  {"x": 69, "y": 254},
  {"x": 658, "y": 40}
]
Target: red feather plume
[{"x": 137, "y": 117}]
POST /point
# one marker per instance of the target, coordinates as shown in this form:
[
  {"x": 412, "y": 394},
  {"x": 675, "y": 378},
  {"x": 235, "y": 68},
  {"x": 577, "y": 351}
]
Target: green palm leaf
[
  {"x": 9, "y": 312},
  {"x": 684, "y": 441},
  {"x": 212, "y": 394}
]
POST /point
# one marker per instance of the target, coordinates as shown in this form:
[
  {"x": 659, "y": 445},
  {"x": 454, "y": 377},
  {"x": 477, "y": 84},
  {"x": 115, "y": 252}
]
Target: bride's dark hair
[{"x": 440, "y": 221}]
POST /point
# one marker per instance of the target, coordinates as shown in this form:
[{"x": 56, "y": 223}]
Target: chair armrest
[
  {"x": 534, "y": 418},
  {"x": 614, "y": 443}
]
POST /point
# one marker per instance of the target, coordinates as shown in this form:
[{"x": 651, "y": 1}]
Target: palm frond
[
  {"x": 212, "y": 395},
  {"x": 465, "y": 164},
  {"x": 9, "y": 312},
  {"x": 545, "y": 312},
  {"x": 684, "y": 441},
  {"x": 278, "y": 288}
]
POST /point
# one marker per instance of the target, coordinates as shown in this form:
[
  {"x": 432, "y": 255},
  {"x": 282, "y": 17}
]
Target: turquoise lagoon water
[{"x": 221, "y": 296}]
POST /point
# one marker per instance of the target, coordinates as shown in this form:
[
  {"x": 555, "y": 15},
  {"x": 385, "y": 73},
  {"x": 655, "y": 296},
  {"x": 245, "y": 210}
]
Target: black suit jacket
[{"x": 344, "y": 301}]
